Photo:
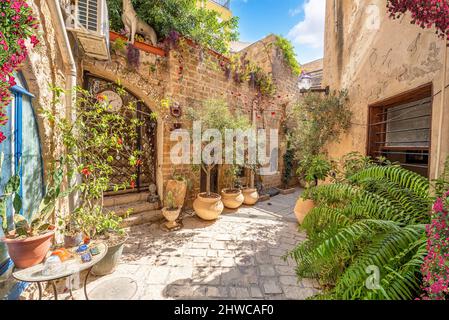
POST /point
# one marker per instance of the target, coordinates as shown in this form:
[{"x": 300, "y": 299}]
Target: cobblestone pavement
[{"x": 236, "y": 257}]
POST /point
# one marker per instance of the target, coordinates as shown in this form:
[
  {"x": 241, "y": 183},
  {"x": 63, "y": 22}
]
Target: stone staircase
[{"x": 142, "y": 210}]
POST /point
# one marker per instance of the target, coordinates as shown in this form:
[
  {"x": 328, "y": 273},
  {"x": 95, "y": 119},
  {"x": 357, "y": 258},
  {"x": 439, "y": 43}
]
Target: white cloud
[{"x": 309, "y": 33}]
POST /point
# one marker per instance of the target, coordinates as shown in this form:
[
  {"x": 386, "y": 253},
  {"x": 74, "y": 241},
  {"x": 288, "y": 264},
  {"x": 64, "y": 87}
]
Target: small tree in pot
[
  {"x": 214, "y": 118},
  {"x": 232, "y": 196}
]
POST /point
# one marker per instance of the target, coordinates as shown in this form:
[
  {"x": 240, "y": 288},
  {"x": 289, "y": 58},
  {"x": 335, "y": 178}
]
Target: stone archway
[{"x": 138, "y": 87}]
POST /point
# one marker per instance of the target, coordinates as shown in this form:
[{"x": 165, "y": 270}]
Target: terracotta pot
[
  {"x": 208, "y": 208},
  {"x": 302, "y": 209},
  {"x": 232, "y": 198},
  {"x": 179, "y": 190},
  {"x": 251, "y": 196},
  {"x": 171, "y": 216},
  {"x": 29, "y": 252}
]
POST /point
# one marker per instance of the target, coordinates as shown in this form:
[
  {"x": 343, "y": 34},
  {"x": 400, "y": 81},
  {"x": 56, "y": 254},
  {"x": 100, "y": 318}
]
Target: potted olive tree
[
  {"x": 232, "y": 196},
  {"x": 250, "y": 193},
  {"x": 213, "y": 116},
  {"x": 93, "y": 140}
]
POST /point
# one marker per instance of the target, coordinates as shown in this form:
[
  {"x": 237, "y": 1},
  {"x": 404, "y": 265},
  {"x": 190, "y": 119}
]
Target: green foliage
[
  {"x": 119, "y": 44},
  {"x": 184, "y": 16},
  {"x": 316, "y": 121},
  {"x": 93, "y": 140},
  {"x": 289, "y": 158},
  {"x": 314, "y": 168},
  {"x": 216, "y": 115},
  {"x": 170, "y": 201},
  {"x": 95, "y": 221},
  {"x": 375, "y": 218},
  {"x": 289, "y": 54},
  {"x": 39, "y": 220}
]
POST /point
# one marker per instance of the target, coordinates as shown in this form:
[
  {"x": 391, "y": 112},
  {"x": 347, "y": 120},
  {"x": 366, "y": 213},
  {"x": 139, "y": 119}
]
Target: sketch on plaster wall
[{"x": 134, "y": 24}]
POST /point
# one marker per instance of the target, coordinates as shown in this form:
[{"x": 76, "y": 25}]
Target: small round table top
[{"x": 70, "y": 267}]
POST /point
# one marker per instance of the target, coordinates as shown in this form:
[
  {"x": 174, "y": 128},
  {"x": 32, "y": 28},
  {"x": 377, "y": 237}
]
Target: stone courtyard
[{"x": 237, "y": 257}]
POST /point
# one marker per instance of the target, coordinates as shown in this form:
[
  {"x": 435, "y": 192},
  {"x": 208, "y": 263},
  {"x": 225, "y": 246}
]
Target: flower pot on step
[
  {"x": 30, "y": 251},
  {"x": 208, "y": 208},
  {"x": 232, "y": 198},
  {"x": 110, "y": 261},
  {"x": 251, "y": 196},
  {"x": 302, "y": 209},
  {"x": 171, "y": 216}
]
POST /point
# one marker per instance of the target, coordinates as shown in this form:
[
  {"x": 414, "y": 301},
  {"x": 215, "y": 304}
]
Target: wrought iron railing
[{"x": 223, "y": 3}]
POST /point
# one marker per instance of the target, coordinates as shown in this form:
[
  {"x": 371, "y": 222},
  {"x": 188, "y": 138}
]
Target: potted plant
[
  {"x": 171, "y": 211},
  {"x": 232, "y": 196},
  {"x": 250, "y": 193},
  {"x": 28, "y": 241},
  {"x": 314, "y": 169},
  {"x": 178, "y": 186},
  {"x": 73, "y": 235},
  {"x": 214, "y": 115},
  {"x": 93, "y": 140}
]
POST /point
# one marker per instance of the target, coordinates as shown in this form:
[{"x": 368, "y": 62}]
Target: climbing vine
[
  {"x": 289, "y": 54},
  {"x": 17, "y": 26}
]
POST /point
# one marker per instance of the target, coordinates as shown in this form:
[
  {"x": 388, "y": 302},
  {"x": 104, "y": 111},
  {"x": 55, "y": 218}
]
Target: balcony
[{"x": 224, "y": 3}]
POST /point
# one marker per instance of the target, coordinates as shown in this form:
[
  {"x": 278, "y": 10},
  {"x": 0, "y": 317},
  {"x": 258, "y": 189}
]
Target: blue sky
[{"x": 301, "y": 21}]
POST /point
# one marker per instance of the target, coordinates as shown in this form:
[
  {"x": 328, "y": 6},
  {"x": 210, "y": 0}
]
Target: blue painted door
[{"x": 21, "y": 146}]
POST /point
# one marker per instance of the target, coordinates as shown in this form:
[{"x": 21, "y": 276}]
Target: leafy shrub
[
  {"x": 374, "y": 219},
  {"x": 289, "y": 54}
]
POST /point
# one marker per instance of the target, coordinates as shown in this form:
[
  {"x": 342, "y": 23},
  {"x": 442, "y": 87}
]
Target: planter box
[{"x": 139, "y": 45}]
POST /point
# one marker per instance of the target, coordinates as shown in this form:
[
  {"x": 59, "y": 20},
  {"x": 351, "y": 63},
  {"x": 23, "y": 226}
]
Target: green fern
[{"x": 376, "y": 219}]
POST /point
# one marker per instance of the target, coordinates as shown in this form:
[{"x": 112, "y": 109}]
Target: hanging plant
[
  {"x": 425, "y": 13},
  {"x": 17, "y": 26},
  {"x": 133, "y": 55}
]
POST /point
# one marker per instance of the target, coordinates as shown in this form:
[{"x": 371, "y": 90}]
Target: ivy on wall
[{"x": 289, "y": 54}]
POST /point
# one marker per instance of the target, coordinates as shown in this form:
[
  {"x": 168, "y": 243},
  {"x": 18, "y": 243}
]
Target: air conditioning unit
[{"x": 89, "y": 22}]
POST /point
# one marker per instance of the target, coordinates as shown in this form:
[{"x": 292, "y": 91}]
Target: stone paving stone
[
  {"x": 267, "y": 270},
  {"x": 238, "y": 256},
  {"x": 217, "y": 292},
  {"x": 158, "y": 275},
  {"x": 285, "y": 270},
  {"x": 256, "y": 292},
  {"x": 238, "y": 293},
  {"x": 270, "y": 286},
  {"x": 289, "y": 280}
]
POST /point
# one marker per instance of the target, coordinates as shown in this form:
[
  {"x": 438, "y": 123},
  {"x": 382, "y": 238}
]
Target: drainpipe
[
  {"x": 443, "y": 98},
  {"x": 69, "y": 65}
]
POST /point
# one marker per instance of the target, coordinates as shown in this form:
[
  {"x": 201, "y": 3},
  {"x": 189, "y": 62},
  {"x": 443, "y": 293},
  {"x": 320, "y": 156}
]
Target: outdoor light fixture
[{"x": 305, "y": 84}]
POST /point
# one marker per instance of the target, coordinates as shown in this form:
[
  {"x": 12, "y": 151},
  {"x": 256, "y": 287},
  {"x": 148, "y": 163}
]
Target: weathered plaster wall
[
  {"x": 376, "y": 58},
  {"x": 190, "y": 76}
]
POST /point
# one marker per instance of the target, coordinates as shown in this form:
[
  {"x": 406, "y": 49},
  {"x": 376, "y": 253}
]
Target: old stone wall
[
  {"x": 376, "y": 58},
  {"x": 189, "y": 76}
]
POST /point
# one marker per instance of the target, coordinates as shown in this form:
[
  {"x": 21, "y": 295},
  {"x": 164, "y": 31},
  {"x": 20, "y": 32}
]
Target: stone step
[
  {"x": 137, "y": 207},
  {"x": 142, "y": 218},
  {"x": 117, "y": 200}
]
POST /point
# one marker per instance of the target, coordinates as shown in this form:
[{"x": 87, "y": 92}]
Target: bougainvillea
[
  {"x": 425, "y": 13},
  {"x": 17, "y": 26},
  {"x": 435, "y": 268}
]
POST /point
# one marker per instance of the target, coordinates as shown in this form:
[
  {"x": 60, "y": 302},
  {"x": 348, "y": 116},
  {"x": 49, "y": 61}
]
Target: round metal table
[{"x": 70, "y": 267}]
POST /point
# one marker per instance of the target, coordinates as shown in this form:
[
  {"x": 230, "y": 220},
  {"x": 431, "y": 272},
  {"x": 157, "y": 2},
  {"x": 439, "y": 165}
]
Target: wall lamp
[{"x": 305, "y": 84}]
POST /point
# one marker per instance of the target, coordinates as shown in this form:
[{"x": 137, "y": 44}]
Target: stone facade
[
  {"x": 190, "y": 76},
  {"x": 377, "y": 58}
]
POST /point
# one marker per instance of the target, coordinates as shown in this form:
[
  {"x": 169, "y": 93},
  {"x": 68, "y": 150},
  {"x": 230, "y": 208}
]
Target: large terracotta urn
[
  {"x": 208, "y": 208},
  {"x": 303, "y": 208},
  {"x": 30, "y": 251},
  {"x": 179, "y": 191},
  {"x": 232, "y": 198},
  {"x": 251, "y": 196}
]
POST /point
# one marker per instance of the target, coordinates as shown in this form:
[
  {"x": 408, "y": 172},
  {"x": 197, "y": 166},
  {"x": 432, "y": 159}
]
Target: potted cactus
[{"x": 171, "y": 211}]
